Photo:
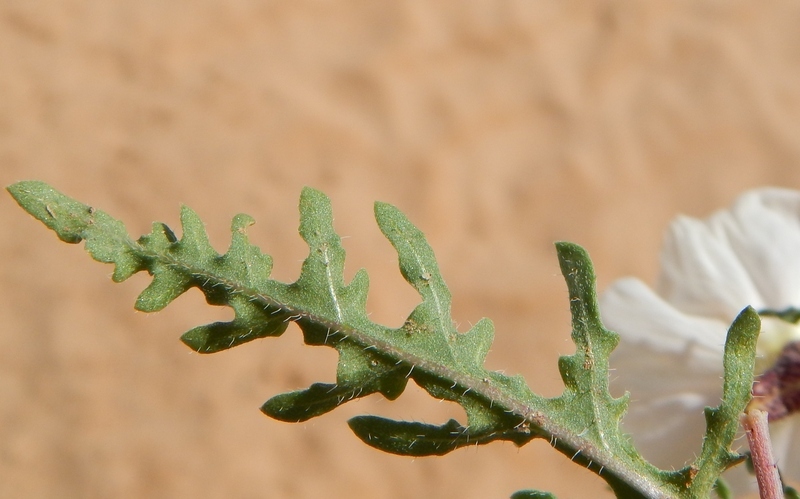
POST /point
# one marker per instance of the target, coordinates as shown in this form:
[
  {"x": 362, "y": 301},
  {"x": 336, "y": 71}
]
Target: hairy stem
[{"x": 757, "y": 430}]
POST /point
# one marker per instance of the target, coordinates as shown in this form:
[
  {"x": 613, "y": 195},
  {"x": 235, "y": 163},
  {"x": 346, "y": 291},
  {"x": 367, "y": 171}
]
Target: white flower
[{"x": 670, "y": 356}]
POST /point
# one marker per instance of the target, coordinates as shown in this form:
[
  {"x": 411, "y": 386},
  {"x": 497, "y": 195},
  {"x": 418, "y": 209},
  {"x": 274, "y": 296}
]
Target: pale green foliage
[
  {"x": 582, "y": 423},
  {"x": 532, "y": 494}
]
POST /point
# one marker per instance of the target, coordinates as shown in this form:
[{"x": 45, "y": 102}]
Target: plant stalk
[{"x": 757, "y": 429}]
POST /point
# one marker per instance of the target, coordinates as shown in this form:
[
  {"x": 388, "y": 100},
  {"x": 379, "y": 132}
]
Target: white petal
[
  {"x": 785, "y": 436},
  {"x": 764, "y": 232},
  {"x": 670, "y": 356},
  {"x": 640, "y": 316},
  {"x": 700, "y": 272},
  {"x": 782, "y": 434},
  {"x": 743, "y": 256},
  {"x": 665, "y": 415},
  {"x": 790, "y": 465},
  {"x": 671, "y": 363}
]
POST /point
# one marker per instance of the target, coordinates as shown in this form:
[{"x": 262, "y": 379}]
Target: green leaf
[
  {"x": 583, "y": 422},
  {"x": 586, "y": 408},
  {"x": 420, "y": 439},
  {"x": 722, "y": 422},
  {"x": 302, "y": 405},
  {"x": 790, "y": 314},
  {"x": 532, "y": 494},
  {"x": 722, "y": 490}
]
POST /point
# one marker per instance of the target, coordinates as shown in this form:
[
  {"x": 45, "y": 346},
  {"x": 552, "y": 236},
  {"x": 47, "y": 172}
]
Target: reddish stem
[{"x": 757, "y": 430}]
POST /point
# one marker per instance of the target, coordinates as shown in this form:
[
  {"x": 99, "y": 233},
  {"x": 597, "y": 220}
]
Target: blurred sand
[{"x": 498, "y": 127}]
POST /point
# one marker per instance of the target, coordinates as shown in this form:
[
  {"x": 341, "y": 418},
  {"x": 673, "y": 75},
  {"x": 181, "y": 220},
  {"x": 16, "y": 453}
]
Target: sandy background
[{"x": 498, "y": 127}]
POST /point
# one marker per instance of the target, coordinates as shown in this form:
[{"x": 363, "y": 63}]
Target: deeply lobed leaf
[{"x": 582, "y": 423}]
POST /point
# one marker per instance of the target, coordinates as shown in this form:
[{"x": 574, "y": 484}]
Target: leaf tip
[
  {"x": 194, "y": 340},
  {"x": 310, "y": 197}
]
